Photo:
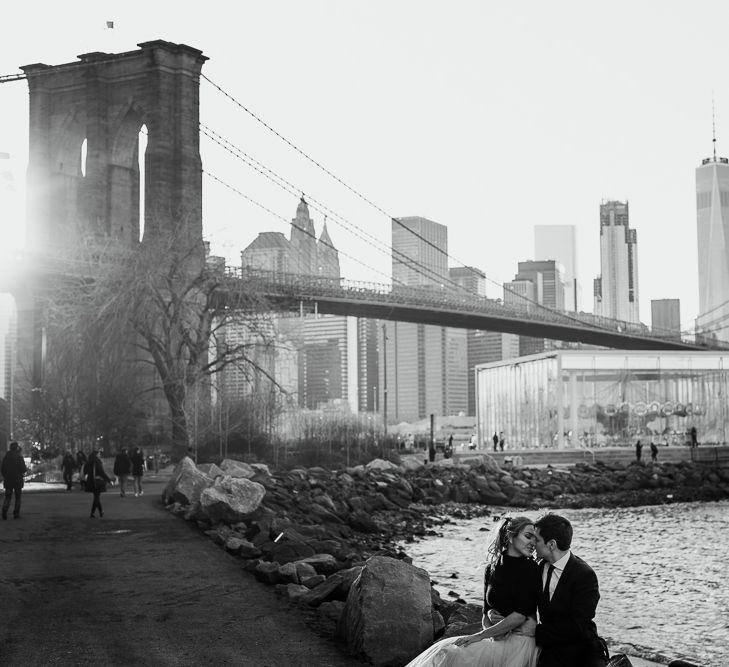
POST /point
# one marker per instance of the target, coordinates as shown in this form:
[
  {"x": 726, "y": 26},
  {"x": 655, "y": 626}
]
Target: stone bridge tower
[
  {"x": 105, "y": 99},
  {"x": 102, "y": 101}
]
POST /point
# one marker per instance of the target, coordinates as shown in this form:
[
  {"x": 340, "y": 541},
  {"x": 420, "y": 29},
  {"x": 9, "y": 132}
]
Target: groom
[{"x": 566, "y": 631}]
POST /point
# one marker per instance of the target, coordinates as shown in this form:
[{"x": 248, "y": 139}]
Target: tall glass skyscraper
[
  {"x": 712, "y": 226},
  {"x": 616, "y": 289},
  {"x": 558, "y": 242}
]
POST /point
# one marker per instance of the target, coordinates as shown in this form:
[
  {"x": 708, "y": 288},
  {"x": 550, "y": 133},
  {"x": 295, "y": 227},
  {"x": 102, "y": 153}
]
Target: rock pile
[{"x": 327, "y": 539}]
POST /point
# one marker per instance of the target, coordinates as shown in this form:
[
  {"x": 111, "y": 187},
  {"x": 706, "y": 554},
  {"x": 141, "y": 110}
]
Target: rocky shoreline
[{"x": 328, "y": 540}]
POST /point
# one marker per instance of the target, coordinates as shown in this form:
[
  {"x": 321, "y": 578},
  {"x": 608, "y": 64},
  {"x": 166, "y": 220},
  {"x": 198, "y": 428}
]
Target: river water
[{"x": 662, "y": 571}]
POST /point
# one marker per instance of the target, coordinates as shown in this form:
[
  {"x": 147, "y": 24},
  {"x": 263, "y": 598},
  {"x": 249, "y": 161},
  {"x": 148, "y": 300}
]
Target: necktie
[{"x": 546, "y": 583}]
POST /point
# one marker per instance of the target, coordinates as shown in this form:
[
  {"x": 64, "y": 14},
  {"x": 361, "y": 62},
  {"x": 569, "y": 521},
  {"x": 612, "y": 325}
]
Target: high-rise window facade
[
  {"x": 616, "y": 289},
  {"x": 426, "y": 364},
  {"x": 666, "y": 317}
]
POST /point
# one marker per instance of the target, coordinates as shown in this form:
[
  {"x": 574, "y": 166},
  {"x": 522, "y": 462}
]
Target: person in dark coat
[
  {"x": 68, "y": 466},
  {"x": 638, "y": 450},
  {"x": 654, "y": 452},
  {"x": 137, "y": 470},
  {"x": 566, "y": 630},
  {"x": 13, "y": 469},
  {"x": 95, "y": 480},
  {"x": 122, "y": 470}
]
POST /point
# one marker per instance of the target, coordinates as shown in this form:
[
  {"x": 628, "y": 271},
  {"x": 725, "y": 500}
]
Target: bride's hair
[{"x": 510, "y": 527}]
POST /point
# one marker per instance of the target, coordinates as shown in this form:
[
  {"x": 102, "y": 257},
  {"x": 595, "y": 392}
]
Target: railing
[{"x": 442, "y": 298}]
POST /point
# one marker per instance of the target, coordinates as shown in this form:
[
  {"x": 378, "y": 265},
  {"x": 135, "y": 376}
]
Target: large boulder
[
  {"x": 231, "y": 499},
  {"x": 381, "y": 464},
  {"x": 186, "y": 483},
  {"x": 387, "y": 615},
  {"x": 211, "y": 470},
  {"x": 234, "y": 468}
]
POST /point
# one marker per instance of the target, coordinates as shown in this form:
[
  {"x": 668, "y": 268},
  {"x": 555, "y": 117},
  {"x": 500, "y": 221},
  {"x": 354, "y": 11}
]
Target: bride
[{"x": 511, "y": 587}]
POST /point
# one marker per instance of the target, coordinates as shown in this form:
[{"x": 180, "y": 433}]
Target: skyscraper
[
  {"x": 321, "y": 359},
  {"x": 616, "y": 289},
  {"x": 419, "y": 252},
  {"x": 559, "y": 242},
  {"x": 666, "y": 317},
  {"x": 712, "y": 226},
  {"x": 537, "y": 283},
  {"x": 426, "y": 364}
]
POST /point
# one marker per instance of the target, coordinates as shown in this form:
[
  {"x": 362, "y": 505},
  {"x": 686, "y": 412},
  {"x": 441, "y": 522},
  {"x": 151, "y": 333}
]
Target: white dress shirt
[{"x": 556, "y": 573}]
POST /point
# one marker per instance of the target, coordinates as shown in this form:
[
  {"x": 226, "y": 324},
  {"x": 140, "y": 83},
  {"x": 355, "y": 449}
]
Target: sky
[{"x": 488, "y": 117}]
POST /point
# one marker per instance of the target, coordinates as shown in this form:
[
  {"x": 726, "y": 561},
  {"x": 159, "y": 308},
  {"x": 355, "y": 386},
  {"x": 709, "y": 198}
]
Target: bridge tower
[
  {"x": 102, "y": 102},
  {"x": 105, "y": 99}
]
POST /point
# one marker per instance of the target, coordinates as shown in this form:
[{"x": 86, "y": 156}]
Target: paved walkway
[{"x": 138, "y": 587}]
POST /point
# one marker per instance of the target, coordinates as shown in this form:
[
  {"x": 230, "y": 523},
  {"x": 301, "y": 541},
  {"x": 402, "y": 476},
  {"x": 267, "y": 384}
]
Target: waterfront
[{"x": 661, "y": 570}]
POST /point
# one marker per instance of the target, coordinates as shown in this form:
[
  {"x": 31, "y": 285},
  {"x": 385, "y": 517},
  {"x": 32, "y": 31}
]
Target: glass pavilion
[{"x": 603, "y": 398}]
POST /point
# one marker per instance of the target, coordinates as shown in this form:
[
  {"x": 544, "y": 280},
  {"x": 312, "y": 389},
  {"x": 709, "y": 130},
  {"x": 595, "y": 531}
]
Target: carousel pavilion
[{"x": 604, "y": 398}]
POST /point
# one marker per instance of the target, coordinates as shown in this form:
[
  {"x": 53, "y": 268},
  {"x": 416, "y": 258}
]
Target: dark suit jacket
[{"x": 566, "y": 631}]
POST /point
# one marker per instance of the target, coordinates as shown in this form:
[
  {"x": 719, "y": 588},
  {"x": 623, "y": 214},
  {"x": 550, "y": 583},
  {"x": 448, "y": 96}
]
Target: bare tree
[{"x": 183, "y": 313}]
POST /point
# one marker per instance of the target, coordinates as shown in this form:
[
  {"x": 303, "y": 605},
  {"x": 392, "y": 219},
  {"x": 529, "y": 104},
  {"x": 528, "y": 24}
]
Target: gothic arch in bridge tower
[{"x": 105, "y": 99}]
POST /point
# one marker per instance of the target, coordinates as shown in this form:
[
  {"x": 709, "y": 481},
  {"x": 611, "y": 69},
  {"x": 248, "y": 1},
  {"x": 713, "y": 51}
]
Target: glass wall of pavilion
[{"x": 604, "y": 398}]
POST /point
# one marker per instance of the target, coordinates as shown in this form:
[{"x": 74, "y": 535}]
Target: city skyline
[{"x": 526, "y": 115}]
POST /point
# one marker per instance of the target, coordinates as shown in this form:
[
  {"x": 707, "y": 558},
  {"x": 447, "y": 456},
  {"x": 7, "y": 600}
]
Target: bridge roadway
[
  {"x": 422, "y": 305},
  {"x": 445, "y": 307}
]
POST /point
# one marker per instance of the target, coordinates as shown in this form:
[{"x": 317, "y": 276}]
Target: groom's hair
[{"x": 557, "y": 528}]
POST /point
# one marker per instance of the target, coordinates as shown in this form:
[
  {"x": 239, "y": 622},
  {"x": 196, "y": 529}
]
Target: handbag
[{"x": 99, "y": 484}]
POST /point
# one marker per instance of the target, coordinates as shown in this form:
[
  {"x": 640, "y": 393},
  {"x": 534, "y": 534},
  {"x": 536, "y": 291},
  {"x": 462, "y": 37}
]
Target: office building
[
  {"x": 616, "y": 288},
  {"x": 419, "y": 252},
  {"x": 423, "y": 367},
  {"x": 538, "y": 284},
  {"x": 469, "y": 279},
  {"x": 319, "y": 359},
  {"x": 666, "y": 317},
  {"x": 559, "y": 243},
  {"x": 481, "y": 346},
  {"x": 712, "y": 226}
]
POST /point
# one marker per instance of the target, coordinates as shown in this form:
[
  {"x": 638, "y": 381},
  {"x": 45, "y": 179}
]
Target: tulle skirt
[{"x": 515, "y": 650}]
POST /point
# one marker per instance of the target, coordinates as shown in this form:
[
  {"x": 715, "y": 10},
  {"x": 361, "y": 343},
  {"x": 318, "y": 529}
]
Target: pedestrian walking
[
  {"x": 13, "y": 469},
  {"x": 95, "y": 482},
  {"x": 502, "y": 441},
  {"x": 654, "y": 452},
  {"x": 496, "y": 441},
  {"x": 68, "y": 467},
  {"x": 694, "y": 439},
  {"x": 122, "y": 470},
  {"x": 638, "y": 450},
  {"x": 137, "y": 470}
]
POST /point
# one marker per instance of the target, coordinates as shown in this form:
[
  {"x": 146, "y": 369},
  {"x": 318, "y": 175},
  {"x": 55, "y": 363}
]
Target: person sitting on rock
[{"x": 512, "y": 585}]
